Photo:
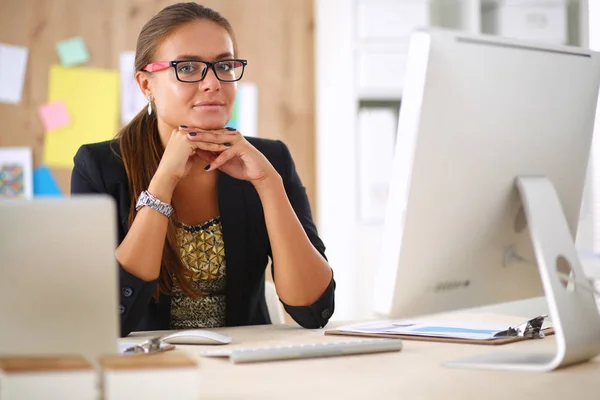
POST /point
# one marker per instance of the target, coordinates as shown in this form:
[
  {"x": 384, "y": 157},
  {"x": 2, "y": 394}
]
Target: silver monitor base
[{"x": 573, "y": 310}]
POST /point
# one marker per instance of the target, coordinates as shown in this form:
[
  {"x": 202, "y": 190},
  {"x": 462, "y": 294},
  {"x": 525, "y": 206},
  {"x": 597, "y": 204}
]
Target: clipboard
[{"x": 531, "y": 329}]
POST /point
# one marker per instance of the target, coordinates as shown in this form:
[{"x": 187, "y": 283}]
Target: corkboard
[{"x": 275, "y": 36}]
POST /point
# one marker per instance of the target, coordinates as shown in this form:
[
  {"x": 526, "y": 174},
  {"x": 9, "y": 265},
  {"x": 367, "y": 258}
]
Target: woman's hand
[
  {"x": 177, "y": 160},
  {"x": 239, "y": 159}
]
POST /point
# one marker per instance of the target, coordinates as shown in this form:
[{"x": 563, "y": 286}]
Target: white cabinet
[
  {"x": 383, "y": 29},
  {"x": 543, "y": 21},
  {"x": 380, "y": 72},
  {"x": 390, "y": 19},
  {"x": 376, "y": 143}
]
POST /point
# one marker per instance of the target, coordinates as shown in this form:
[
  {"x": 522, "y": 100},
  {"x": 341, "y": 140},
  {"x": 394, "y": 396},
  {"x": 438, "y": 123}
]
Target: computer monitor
[
  {"x": 58, "y": 277},
  {"x": 478, "y": 113}
]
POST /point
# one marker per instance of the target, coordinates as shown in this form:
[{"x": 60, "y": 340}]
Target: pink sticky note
[{"x": 54, "y": 115}]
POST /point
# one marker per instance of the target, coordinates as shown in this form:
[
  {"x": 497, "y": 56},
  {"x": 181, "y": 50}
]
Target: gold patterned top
[{"x": 203, "y": 254}]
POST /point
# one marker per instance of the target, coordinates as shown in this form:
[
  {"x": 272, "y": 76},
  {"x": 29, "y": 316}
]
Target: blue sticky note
[
  {"x": 72, "y": 51},
  {"x": 44, "y": 183}
]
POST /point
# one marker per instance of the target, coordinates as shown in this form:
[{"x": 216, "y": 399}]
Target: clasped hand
[{"x": 224, "y": 149}]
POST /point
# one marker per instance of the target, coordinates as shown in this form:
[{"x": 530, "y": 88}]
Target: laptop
[{"x": 59, "y": 277}]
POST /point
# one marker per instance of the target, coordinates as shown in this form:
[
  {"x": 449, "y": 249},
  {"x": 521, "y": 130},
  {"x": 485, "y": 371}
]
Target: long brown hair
[{"x": 140, "y": 144}]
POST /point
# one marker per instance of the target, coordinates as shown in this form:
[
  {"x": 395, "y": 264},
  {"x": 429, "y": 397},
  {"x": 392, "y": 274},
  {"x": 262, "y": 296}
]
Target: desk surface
[{"x": 414, "y": 373}]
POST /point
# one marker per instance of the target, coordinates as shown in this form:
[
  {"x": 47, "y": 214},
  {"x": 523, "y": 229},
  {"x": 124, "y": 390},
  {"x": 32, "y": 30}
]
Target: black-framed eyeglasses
[{"x": 190, "y": 71}]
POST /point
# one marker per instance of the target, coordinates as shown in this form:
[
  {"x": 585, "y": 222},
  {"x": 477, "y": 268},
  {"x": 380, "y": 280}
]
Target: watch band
[{"x": 147, "y": 199}]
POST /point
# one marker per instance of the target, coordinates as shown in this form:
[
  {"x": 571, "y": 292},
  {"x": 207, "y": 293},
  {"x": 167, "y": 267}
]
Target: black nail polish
[
  {"x": 229, "y": 128},
  {"x": 183, "y": 126},
  {"x": 207, "y": 167},
  {"x": 193, "y": 133},
  {"x": 227, "y": 144}
]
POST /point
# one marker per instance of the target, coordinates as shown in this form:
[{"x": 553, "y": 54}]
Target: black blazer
[{"x": 99, "y": 169}]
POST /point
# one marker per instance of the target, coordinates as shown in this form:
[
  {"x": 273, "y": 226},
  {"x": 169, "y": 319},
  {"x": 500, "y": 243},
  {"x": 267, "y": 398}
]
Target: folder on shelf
[{"x": 449, "y": 331}]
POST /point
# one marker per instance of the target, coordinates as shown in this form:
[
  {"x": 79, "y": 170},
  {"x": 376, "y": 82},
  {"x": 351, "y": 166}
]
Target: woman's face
[{"x": 207, "y": 104}]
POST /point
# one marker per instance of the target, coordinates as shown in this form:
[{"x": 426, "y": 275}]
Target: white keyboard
[{"x": 311, "y": 350}]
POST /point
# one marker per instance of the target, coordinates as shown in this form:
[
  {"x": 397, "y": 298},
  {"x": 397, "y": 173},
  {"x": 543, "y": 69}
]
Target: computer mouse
[{"x": 196, "y": 336}]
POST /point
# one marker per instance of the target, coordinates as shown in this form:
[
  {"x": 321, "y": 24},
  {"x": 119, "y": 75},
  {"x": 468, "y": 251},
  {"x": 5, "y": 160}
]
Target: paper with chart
[
  {"x": 245, "y": 110},
  {"x": 445, "y": 329},
  {"x": 16, "y": 177}
]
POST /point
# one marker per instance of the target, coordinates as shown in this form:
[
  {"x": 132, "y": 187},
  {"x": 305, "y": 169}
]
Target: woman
[{"x": 202, "y": 208}]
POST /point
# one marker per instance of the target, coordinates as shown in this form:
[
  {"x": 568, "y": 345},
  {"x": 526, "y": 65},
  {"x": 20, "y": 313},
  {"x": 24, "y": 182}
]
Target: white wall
[{"x": 335, "y": 142}]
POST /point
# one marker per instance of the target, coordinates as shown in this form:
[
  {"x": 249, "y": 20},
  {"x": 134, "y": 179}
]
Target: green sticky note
[{"x": 72, "y": 51}]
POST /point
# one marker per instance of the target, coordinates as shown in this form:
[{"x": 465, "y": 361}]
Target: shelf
[{"x": 374, "y": 95}]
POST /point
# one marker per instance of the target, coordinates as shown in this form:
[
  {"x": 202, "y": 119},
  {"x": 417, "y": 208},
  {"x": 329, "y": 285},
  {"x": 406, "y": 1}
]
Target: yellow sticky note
[{"x": 91, "y": 96}]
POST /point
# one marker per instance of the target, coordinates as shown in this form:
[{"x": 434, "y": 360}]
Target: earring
[{"x": 149, "y": 105}]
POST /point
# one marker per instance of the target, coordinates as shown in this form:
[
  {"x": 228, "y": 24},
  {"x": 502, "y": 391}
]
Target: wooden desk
[{"x": 414, "y": 373}]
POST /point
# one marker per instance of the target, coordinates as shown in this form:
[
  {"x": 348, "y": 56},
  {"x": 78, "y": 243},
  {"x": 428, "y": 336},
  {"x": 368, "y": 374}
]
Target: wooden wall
[{"x": 276, "y": 36}]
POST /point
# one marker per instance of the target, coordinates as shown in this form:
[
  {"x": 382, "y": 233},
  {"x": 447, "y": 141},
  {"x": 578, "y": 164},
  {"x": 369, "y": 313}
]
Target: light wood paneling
[{"x": 275, "y": 36}]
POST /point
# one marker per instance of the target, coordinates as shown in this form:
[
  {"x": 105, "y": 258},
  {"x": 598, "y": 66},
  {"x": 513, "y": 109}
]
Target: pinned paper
[
  {"x": 132, "y": 98},
  {"x": 72, "y": 51},
  {"x": 16, "y": 179},
  {"x": 44, "y": 183},
  {"x": 92, "y": 97},
  {"x": 54, "y": 115},
  {"x": 13, "y": 65},
  {"x": 245, "y": 110}
]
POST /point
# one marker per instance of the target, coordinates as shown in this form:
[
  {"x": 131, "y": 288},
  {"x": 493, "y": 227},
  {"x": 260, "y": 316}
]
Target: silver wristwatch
[{"x": 148, "y": 200}]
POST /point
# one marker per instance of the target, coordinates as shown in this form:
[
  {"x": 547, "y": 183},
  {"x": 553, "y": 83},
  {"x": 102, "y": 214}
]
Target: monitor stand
[{"x": 572, "y": 309}]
